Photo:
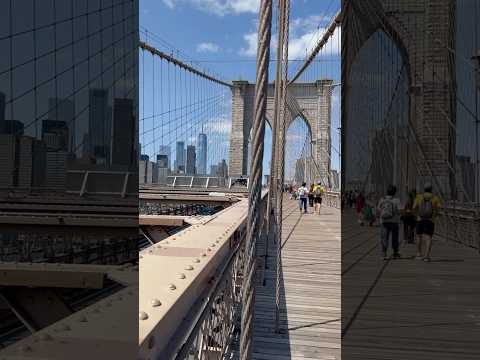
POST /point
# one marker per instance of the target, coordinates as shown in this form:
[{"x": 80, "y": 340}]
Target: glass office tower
[{"x": 73, "y": 63}]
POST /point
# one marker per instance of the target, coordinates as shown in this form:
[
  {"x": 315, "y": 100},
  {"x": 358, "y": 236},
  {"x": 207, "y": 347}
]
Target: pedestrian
[
  {"x": 318, "y": 192},
  {"x": 368, "y": 215},
  {"x": 388, "y": 210},
  {"x": 426, "y": 208},
  {"x": 359, "y": 204},
  {"x": 303, "y": 196},
  {"x": 408, "y": 218},
  {"x": 311, "y": 195}
]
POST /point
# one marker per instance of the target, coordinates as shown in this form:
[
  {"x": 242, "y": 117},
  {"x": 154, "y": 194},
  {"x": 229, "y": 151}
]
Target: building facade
[
  {"x": 191, "y": 160},
  {"x": 64, "y": 69},
  {"x": 202, "y": 154}
]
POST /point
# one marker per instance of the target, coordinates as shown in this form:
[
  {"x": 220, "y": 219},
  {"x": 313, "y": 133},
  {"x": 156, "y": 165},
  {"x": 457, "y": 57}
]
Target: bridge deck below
[{"x": 310, "y": 290}]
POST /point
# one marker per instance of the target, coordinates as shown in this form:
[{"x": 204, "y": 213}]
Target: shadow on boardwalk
[
  {"x": 310, "y": 290},
  {"x": 405, "y": 308}
]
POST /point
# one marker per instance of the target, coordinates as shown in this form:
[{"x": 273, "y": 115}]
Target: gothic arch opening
[
  {"x": 299, "y": 163},
  {"x": 267, "y": 150},
  {"x": 377, "y": 122}
]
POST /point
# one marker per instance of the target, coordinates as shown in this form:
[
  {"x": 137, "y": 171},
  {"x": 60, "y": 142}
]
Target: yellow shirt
[{"x": 435, "y": 204}]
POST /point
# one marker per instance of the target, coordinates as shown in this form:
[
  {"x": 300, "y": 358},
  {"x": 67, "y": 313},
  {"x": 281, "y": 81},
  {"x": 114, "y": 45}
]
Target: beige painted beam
[
  {"x": 171, "y": 220},
  {"x": 186, "y": 262},
  {"x": 55, "y": 275},
  {"x": 161, "y": 220}
]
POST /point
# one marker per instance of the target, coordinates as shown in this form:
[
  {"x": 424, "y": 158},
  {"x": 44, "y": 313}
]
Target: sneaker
[
  {"x": 426, "y": 259},
  {"x": 385, "y": 257},
  {"x": 396, "y": 255}
]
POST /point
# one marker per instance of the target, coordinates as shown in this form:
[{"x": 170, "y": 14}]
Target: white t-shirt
[
  {"x": 396, "y": 205},
  {"x": 302, "y": 192}
]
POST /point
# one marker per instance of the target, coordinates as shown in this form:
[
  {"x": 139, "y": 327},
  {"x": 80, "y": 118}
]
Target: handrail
[{"x": 199, "y": 265}]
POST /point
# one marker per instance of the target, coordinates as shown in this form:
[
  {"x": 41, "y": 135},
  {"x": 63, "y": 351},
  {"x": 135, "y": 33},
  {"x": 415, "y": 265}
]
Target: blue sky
[{"x": 220, "y": 35}]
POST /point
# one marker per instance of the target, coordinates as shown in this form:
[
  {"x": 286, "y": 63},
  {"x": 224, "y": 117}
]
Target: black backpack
[{"x": 426, "y": 209}]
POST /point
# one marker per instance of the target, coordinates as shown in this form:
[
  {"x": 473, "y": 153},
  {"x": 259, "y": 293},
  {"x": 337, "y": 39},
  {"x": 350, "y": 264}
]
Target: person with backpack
[
  {"x": 388, "y": 210},
  {"x": 408, "y": 218},
  {"x": 310, "y": 195},
  {"x": 303, "y": 196},
  {"x": 368, "y": 215},
  {"x": 426, "y": 207},
  {"x": 318, "y": 191}
]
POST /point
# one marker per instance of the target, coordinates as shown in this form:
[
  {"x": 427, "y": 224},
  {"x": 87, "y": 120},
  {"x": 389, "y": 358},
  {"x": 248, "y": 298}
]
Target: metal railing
[
  {"x": 210, "y": 316},
  {"x": 218, "y": 321},
  {"x": 333, "y": 199}
]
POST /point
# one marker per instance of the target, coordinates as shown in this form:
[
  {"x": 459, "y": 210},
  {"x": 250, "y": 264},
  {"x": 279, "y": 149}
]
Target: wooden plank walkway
[
  {"x": 405, "y": 308},
  {"x": 310, "y": 290}
]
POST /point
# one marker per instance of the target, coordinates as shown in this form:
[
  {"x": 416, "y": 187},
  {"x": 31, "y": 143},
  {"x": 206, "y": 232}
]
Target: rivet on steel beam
[
  {"x": 196, "y": 260},
  {"x": 213, "y": 245},
  {"x": 150, "y": 251},
  {"x": 209, "y": 249},
  {"x": 167, "y": 242},
  {"x": 156, "y": 302},
  {"x": 189, "y": 267},
  {"x": 181, "y": 276},
  {"x": 141, "y": 256},
  {"x": 217, "y": 241},
  {"x": 204, "y": 254},
  {"x": 142, "y": 315},
  {"x": 172, "y": 287}
]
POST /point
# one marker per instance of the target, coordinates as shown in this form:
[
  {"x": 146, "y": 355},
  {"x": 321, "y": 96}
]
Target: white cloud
[
  {"x": 221, "y": 125},
  {"x": 220, "y": 7},
  {"x": 299, "y": 46},
  {"x": 170, "y": 3},
  {"x": 304, "y": 35},
  {"x": 208, "y": 47},
  {"x": 251, "y": 48}
]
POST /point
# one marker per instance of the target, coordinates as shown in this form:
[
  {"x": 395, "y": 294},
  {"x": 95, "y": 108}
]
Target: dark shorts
[
  {"x": 317, "y": 200},
  {"x": 426, "y": 227}
]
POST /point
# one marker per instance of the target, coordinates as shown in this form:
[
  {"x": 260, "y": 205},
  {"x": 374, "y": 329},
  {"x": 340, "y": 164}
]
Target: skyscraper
[
  {"x": 191, "y": 160},
  {"x": 202, "y": 154},
  {"x": 55, "y": 134},
  {"x": 180, "y": 157},
  {"x": 122, "y": 148},
  {"x": 166, "y": 151},
  {"x": 63, "y": 110},
  {"x": 98, "y": 125},
  {"x": 223, "y": 169}
]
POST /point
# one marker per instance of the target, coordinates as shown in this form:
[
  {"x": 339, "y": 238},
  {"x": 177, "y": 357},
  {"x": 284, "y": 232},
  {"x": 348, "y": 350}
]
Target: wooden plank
[
  {"x": 406, "y": 308},
  {"x": 309, "y": 290}
]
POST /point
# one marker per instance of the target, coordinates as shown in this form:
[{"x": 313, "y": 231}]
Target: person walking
[
  {"x": 318, "y": 191},
  {"x": 311, "y": 196},
  {"x": 426, "y": 208},
  {"x": 359, "y": 204},
  {"x": 303, "y": 197},
  {"x": 408, "y": 218},
  {"x": 388, "y": 209}
]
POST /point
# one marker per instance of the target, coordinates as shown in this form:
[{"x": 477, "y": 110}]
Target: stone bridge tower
[
  {"x": 422, "y": 30},
  {"x": 310, "y": 101}
]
